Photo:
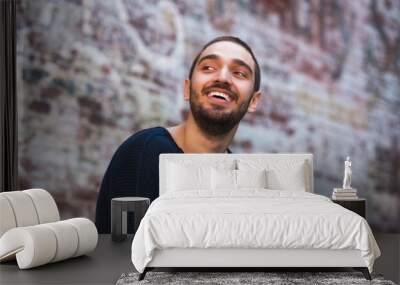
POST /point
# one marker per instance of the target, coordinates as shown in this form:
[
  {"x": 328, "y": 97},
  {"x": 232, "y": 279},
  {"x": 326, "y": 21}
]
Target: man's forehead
[{"x": 228, "y": 51}]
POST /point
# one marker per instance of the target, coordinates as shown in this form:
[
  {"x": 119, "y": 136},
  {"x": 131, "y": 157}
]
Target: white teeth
[{"x": 226, "y": 97}]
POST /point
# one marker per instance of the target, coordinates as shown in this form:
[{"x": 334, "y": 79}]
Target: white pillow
[
  {"x": 251, "y": 178},
  {"x": 282, "y": 174},
  {"x": 293, "y": 180},
  {"x": 225, "y": 179},
  {"x": 186, "y": 174},
  {"x": 183, "y": 178}
]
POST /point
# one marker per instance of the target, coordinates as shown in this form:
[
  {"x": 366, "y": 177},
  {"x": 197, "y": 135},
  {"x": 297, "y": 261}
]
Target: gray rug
[{"x": 269, "y": 278}]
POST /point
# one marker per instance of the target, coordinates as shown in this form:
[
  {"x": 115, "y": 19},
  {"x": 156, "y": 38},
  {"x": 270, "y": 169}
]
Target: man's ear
[
  {"x": 254, "y": 102},
  {"x": 186, "y": 89}
]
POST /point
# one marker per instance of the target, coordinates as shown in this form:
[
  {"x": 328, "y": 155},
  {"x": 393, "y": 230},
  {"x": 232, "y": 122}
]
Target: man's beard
[{"x": 215, "y": 122}]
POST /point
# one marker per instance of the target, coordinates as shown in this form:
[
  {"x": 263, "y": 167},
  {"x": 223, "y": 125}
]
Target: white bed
[{"x": 202, "y": 220}]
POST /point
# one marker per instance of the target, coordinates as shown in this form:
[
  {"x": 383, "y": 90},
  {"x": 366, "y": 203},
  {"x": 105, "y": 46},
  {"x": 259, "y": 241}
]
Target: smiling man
[{"x": 223, "y": 84}]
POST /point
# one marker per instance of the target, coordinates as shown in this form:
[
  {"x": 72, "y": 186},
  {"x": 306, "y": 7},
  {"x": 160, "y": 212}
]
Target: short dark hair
[{"x": 257, "y": 76}]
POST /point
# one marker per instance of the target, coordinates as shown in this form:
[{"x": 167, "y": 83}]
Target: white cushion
[
  {"x": 45, "y": 205},
  {"x": 183, "y": 178},
  {"x": 187, "y": 175},
  {"x": 40, "y": 244},
  {"x": 23, "y": 208},
  {"x": 87, "y": 233},
  {"x": 32, "y": 246},
  {"x": 251, "y": 178},
  {"x": 7, "y": 218},
  {"x": 223, "y": 179},
  {"x": 67, "y": 239},
  {"x": 282, "y": 174},
  {"x": 230, "y": 180},
  {"x": 26, "y": 208}
]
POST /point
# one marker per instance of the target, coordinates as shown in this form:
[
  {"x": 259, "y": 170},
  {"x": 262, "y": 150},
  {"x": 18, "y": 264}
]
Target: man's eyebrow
[
  {"x": 210, "y": 56},
  {"x": 242, "y": 63},
  {"x": 235, "y": 60}
]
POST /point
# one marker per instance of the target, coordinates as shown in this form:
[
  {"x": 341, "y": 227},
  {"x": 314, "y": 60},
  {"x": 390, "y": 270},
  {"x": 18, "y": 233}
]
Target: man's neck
[{"x": 191, "y": 139}]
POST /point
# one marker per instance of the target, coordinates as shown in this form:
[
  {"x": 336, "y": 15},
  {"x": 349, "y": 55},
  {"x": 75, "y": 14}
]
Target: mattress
[{"x": 251, "y": 218}]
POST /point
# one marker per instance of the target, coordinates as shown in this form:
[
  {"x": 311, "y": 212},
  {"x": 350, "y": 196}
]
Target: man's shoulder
[
  {"x": 151, "y": 138},
  {"x": 149, "y": 132},
  {"x": 145, "y": 135}
]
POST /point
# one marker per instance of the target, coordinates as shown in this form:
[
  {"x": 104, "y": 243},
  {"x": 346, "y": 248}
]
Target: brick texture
[{"x": 92, "y": 72}]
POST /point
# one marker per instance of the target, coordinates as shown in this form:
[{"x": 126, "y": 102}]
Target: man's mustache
[{"x": 222, "y": 86}]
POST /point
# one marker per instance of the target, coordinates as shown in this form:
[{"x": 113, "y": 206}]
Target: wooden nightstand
[{"x": 357, "y": 206}]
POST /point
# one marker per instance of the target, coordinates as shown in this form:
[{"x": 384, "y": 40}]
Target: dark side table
[
  {"x": 119, "y": 208},
  {"x": 357, "y": 206}
]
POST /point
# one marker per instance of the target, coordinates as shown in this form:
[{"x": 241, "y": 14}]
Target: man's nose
[{"x": 224, "y": 75}]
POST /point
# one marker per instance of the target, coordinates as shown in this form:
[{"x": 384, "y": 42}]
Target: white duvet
[{"x": 250, "y": 219}]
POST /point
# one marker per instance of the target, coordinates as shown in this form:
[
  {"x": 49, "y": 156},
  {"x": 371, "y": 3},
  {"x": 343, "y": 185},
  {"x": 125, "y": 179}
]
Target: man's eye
[
  {"x": 207, "y": 67},
  {"x": 241, "y": 74}
]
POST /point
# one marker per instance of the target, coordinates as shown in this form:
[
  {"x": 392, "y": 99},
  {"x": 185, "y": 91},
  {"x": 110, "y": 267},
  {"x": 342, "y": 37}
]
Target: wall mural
[{"x": 92, "y": 72}]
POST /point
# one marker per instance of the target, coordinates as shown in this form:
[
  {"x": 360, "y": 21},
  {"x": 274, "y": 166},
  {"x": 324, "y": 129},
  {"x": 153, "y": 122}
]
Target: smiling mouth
[{"x": 219, "y": 95}]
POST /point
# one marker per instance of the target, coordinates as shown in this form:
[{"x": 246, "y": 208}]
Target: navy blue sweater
[{"x": 133, "y": 171}]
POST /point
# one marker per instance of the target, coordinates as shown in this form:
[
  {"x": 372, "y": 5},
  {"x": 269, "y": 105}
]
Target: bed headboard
[{"x": 211, "y": 158}]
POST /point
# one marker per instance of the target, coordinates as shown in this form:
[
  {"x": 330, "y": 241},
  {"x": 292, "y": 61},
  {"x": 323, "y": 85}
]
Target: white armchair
[{"x": 31, "y": 230}]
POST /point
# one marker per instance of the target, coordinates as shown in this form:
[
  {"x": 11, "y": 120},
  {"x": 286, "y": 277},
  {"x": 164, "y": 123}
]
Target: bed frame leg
[
  {"x": 143, "y": 274},
  {"x": 364, "y": 271}
]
